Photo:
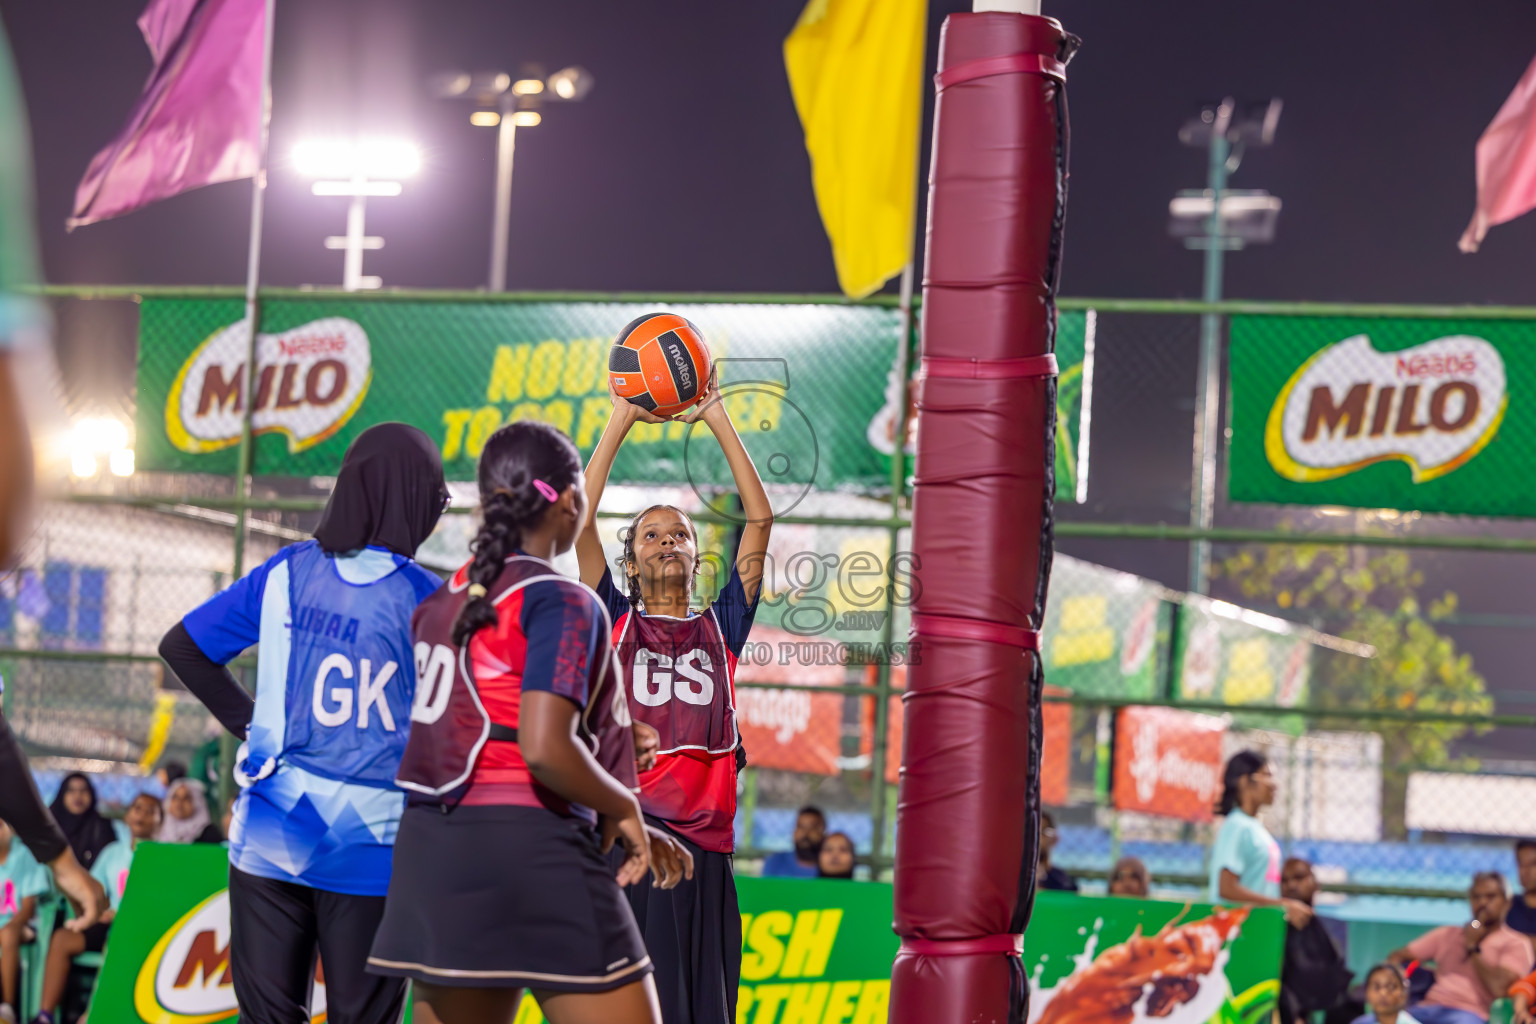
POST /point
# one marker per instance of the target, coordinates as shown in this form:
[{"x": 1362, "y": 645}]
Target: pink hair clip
[{"x": 549, "y": 492}]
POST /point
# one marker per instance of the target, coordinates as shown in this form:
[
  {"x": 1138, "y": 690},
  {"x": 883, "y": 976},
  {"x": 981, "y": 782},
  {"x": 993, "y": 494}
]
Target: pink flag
[
  {"x": 1506, "y": 163},
  {"x": 199, "y": 119}
]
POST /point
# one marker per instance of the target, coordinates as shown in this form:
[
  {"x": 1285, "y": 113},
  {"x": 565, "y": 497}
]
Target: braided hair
[
  {"x": 514, "y": 457},
  {"x": 627, "y": 535}
]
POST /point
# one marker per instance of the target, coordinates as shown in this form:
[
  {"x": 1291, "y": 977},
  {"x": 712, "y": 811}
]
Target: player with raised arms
[
  {"x": 678, "y": 666},
  {"x": 522, "y": 774},
  {"x": 313, "y": 831}
]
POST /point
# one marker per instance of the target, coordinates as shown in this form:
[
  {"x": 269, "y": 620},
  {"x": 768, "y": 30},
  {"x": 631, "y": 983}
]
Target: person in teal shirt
[
  {"x": 22, "y": 881},
  {"x": 110, "y": 868},
  {"x": 1245, "y": 861}
]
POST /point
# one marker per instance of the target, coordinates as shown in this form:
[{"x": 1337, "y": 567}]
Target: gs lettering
[{"x": 690, "y": 684}]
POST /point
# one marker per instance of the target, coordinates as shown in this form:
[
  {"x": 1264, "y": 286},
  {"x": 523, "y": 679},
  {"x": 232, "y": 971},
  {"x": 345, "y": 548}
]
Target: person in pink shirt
[{"x": 1475, "y": 963}]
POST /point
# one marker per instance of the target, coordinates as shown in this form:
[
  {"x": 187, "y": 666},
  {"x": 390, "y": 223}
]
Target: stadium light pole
[
  {"x": 507, "y": 104},
  {"x": 1217, "y": 220},
  {"x": 357, "y": 169}
]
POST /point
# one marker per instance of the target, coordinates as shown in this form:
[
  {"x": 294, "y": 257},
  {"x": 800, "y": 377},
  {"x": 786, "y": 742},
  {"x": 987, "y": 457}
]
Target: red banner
[
  {"x": 1168, "y": 762},
  {"x": 793, "y": 730}
]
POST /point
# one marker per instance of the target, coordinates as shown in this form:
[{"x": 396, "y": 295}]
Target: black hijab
[
  {"x": 390, "y": 493},
  {"x": 88, "y": 832}
]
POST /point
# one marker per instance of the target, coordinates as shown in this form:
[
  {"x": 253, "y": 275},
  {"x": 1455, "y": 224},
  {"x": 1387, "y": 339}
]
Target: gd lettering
[
  {"x": 1433, "y": 406},
  {"x": 308, "y": 384}
]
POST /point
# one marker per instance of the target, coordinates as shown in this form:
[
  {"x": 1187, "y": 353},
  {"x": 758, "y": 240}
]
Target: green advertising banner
[
  {"x": 1104, "y": 632},
  {"x": 1424, "y": 415},
  {"x": 814, "y": 952},
  {"x": 812, "y": 388},
  {"x": 802, "y": 383},
  {"x": 1236, "y": 656},
  {"x": 1074, "y": 389},
  {"x": 1108, "y": 960}
]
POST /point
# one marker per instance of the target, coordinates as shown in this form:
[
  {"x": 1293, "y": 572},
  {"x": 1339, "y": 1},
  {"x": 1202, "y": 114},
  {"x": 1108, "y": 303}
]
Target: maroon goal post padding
[{"x": 968, "y": 817}]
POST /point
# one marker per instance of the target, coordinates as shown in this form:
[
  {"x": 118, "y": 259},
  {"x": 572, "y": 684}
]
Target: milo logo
[
  {"x": 308, "y": 383},
  {"x": 186, "y": 977},
  {"x": 1433, "y": 406}
]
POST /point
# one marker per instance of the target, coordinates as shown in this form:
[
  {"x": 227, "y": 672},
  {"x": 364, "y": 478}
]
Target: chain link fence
[{"x": 1380, "y": 676}]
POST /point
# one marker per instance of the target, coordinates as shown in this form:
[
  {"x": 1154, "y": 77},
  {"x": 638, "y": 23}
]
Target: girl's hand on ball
[
  {"x": 631, "y": 412},
  {"x": 709, "y": 403}
]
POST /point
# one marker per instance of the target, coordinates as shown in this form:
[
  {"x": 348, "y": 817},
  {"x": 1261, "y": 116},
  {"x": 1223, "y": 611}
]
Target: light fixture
[
  {"x": 366, "y": 158},
  {"x": 450, "y": 84},
  {"x": 526, "y": 118},
  {"x": 95, "y": 436},
  {"x": 485, "y": 119},
  {"x": 572, "y": 83},
  {"x": 527, "y": 87},
  {"x": 82, "y": 464},
  {"x": 121, "y": 462},
  {"x": 352, "y": 188}
]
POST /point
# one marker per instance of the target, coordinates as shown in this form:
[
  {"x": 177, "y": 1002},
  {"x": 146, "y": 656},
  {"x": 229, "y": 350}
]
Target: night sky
[{"x": 685, "y": 171}]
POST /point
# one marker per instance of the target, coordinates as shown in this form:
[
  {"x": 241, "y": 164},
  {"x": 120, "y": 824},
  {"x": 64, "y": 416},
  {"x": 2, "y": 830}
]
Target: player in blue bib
[{"x": 313, "y": 831}]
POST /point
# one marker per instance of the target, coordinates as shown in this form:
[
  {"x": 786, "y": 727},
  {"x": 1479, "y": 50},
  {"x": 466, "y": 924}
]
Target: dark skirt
[
  {"x": 693, "y": 933},
  {"x": 505, "y": 897}
]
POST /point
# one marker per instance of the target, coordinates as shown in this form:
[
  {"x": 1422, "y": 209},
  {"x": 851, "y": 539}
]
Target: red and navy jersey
[
  {"x": 679, "y": 676},
  {"x": 551, "y": 634}
]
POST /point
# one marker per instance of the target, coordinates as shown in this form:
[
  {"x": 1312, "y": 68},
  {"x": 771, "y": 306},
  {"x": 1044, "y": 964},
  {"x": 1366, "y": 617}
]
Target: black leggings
[{"x": 276, "y": 928}]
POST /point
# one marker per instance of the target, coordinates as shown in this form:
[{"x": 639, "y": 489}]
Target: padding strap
[
  {"x": 1008, "y": 945},
  {"x": 1012, "y": 64},
  {"x": 991, "y": 369},
  {"x": 957, "y": 628},
  {"x": 502, "y": 733}
]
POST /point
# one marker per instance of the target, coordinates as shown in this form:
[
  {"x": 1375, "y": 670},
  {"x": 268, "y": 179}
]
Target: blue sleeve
[
  {"x": 424, "y": 581},
  {"x": 230, "y": 621},
  {"x": 616, "y": 602},
  {"x": 735, "y": 612},
  {"x": 565, "y": 633}
]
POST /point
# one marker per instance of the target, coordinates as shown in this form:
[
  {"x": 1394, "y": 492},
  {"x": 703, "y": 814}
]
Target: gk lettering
[
  {"x": 691, "y": 684},
  {"x": 333, "y": 707}
]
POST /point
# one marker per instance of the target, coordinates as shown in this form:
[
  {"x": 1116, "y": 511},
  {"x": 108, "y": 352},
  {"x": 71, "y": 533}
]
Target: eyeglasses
[
  {"x": 447, "y": 500},
  {"x": 1048, "y": 832}
]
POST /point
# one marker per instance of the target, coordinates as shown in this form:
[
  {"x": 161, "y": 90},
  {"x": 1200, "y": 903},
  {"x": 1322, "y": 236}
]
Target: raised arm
[
  {"x": 753, "y": 549},
  {"x": 589, "y": 549}
]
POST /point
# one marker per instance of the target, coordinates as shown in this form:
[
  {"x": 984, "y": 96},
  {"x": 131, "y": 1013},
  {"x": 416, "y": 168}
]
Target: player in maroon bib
[
  {"x": 521, "y": 771},
  {"x": 678, "y": 667}
]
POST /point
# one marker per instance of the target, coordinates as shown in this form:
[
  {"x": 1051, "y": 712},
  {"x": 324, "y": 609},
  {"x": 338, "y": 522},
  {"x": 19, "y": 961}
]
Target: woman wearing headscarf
[
  {"x": 86, "y": 830},
  {"x": 313, "y": 831},
  {"x": 187, "y": 819}
]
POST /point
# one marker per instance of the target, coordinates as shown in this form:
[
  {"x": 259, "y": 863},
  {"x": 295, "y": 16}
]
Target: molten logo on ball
[
  {"x": 1433, "y": 406},
  {"x": 309, "y": 383}
]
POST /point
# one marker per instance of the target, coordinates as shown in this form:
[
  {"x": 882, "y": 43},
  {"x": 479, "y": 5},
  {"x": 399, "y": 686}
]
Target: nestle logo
[
  {"x": 1450, "y": 364},
  {"x": 314, "y": 345}
]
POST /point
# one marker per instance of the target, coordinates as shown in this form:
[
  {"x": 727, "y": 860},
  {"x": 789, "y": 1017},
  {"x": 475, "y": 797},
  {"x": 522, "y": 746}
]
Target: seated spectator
[
  {"x": 1130, "y": 878},
  {"x": 810, "y": 830},
  {"x": 1386, "y": 993},
  {"x": 1475, "y": 963},
  {"x": 1051, "y": 877},
  {"x": 1522, "y": 911},
  {"x": 169, "y": 772},
  {"x": 836, "y": 857},
  {"x": 1314, "y": 975},
  {"x": 22, "y": 881},
  {"x": 143, "y": 818},
  {"x": 1523, "y": 994},
  {"x": 186, "y": 815}
]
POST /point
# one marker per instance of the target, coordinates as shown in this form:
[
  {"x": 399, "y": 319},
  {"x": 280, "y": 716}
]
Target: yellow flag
[{"x": 855, "y": 68}]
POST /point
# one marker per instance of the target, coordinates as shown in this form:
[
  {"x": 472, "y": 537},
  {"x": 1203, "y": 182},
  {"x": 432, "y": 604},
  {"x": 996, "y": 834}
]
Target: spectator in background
[
  {"x": 75, "y": 811},
  {"x": 187, "y": 819},
  {"x": 1386, "y": 992},
  {"x": 1475, "y": 963},
  {"x": 1523, "y": 993},
  {"x": 1245, "y": 861},
  {"x": 1051, "y": 877},
  {"x": 22, "y": 881},
  {"x": 801, "y": 862},
  {"x": 1130, "y": 878},
  {"x": 1314, "y": 975},
  {"x": 143, "y": 819},
  {"x": 1522, "y": 911},
  {"x": 169, "y": 772},
  {"x": 836, "y": 858}
]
